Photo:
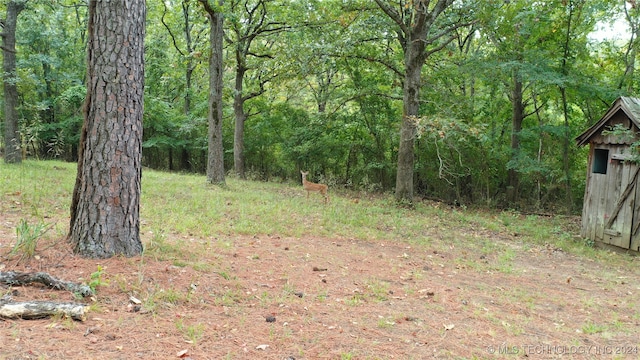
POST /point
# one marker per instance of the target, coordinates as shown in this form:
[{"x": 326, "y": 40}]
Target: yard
[{"x": 257, "y": 271}]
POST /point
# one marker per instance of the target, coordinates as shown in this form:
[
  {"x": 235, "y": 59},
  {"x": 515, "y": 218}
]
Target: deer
[{"x": 309, "y": 186}]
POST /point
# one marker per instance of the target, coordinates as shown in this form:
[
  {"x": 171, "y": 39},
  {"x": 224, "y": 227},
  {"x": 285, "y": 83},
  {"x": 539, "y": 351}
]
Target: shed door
[{"x": 620, "y": 203}]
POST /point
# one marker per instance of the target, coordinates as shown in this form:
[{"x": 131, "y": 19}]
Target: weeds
[
  {"x": 379, "y": 289},
  {"x": 191, "y": 333},
  {"x": 97, "y": 279},
  {"x": 592, "y": 328},
  {"x": 27, "y": 239}
]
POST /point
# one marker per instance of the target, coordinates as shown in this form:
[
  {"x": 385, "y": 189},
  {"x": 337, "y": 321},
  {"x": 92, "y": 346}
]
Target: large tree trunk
[
  {"x": 105, "y": 209},
  {"x": 12, "y": 148},
  {"x": 240, "y": 116},
  {"x": 215, "y": 161},
  {"x": 411, "y": 105},
  {"x": 414, "y": 37}
]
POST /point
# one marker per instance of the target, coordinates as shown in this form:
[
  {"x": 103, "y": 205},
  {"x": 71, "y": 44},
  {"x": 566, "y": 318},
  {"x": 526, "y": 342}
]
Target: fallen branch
[
  {"x": 42, "y": 309},
  {"x": 18, "y": 278}
]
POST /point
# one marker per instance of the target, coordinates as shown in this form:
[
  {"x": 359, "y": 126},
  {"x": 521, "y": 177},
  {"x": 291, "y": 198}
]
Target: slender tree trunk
[
  {"x": 105, "y": 209},
  {"x": 566, "y": 162},
  {"x": 215, "y": 156},
  {"x": 190, "y": 67},
  {"x": 517, "y": 117},
  {"x": 240, "y": 116},
  {"x": 565, "y": 107},
  {"x": 12, "y": 147}
]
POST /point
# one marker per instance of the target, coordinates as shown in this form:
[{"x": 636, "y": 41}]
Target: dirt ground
[{"x": 315, "y": 298}]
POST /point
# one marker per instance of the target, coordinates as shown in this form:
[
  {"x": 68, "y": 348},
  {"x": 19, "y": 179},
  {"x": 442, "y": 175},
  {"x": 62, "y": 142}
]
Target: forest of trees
[{"x": 476, "y": 102}]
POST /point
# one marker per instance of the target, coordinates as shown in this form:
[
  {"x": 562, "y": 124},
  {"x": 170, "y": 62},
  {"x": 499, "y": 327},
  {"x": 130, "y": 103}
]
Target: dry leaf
[{"x": 182, "y": 353}]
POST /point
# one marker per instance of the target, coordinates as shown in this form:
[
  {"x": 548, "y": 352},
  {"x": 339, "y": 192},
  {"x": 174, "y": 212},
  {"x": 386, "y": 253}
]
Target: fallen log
[
  {"x": 42, "y": 309},
  {"x": 18, "y": 278}
]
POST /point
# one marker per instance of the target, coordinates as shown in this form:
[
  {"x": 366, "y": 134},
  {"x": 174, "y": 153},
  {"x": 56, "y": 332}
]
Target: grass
[
  {"x": 191, "y": 332},
  {"x": 185, "y": 204},
  {"x": 185, "y": 207},
  {"x": 27, "y": 237}
]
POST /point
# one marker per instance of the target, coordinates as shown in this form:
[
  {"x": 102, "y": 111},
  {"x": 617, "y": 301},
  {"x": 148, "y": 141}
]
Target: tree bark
[
  {"x": 411, "y": 105},
  {"x": 12, "y": 146},
  {"x": 240, "y": 116},
  {"x": 215, "y": 160},
  {"x": 105, "y": 209}
]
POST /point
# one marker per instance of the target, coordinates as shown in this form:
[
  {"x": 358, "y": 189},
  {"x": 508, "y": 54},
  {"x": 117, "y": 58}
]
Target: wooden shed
[{"x": 611, "y": 210}]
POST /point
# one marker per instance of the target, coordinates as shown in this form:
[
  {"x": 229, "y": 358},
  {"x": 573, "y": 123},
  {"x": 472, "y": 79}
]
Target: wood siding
[{"x": 610, "y": 199}]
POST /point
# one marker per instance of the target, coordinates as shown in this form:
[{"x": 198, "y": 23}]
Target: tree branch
[
  {"x": 394, "y": 15},
  {"x": 173, "y": 38},
  {"x": 18, "y": 278},
  {"x": 41, "y": 309}
]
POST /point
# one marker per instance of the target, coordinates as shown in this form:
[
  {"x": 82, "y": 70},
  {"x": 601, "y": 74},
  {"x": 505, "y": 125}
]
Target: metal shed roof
[{"x": 629, "y": 105}]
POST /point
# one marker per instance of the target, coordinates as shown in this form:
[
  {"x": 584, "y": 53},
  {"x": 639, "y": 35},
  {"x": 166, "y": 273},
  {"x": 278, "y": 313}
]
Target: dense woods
[{"x": 474, "y": 102}]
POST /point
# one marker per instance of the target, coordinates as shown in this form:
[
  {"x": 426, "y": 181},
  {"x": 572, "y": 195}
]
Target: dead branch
[
  {"x": 18, "y": 278},
  {"x": 41, "y": 309}
]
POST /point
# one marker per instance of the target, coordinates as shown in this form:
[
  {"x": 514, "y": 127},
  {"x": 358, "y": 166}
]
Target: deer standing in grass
[{"x": 309, "y": 186}]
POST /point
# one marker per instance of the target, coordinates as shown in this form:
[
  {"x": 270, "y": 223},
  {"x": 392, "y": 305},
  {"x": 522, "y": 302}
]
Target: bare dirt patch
[{"x": 272, "y": 297}]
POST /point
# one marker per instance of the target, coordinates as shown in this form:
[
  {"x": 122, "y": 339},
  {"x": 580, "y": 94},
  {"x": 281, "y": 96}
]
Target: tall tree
[
  {"x": 577, "y": 22},
  {"x": 514, "y": 30},
  {"x": 215, "y": 161},
  {"x": 186, "y": 48},
  {"x": 420, "y": 35},
  {"x": 12, "y": 148},
  {"x": 252, "y": 31},
  {"x": 105, "y": 208}
]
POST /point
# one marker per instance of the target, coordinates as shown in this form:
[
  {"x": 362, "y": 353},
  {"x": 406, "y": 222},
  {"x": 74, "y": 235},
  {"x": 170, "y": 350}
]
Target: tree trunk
[
  {"x": 240, "y": 116},
  {"x": 215, "y": 160},
  {"x": 12, "y": 147},
  {"x": 190, "y": 67},
  {"x": 105, "y": 209},
  {"x": 48, "y": 115},
  {"x": 404, "y": 176},
  {"x": 517, "y": 117},
  {"x": 566, "y": 161},
  {"x": 414, "y": 37}
]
